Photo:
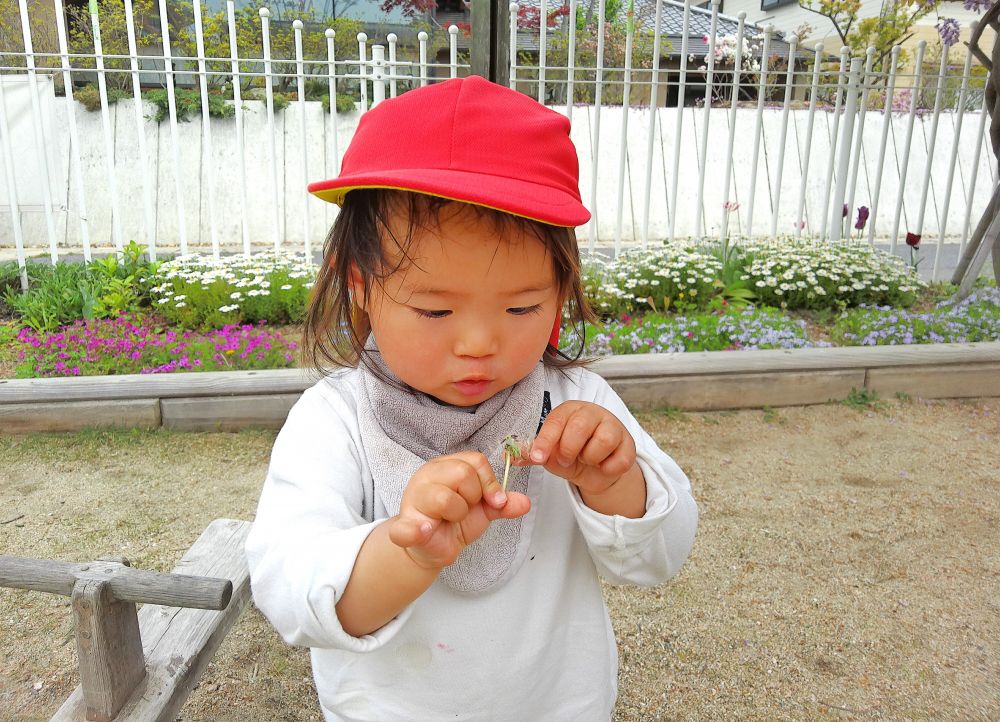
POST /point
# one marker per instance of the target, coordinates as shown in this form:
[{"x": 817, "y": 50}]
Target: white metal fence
[{"x": 808, "y": 139}]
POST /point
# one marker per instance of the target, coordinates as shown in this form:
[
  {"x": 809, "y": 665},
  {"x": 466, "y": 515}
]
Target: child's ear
[{"x": 356, "y": 285}]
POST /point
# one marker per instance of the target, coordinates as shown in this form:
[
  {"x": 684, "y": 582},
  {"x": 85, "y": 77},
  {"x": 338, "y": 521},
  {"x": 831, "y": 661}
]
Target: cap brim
[{"x": 520, "y": 198}]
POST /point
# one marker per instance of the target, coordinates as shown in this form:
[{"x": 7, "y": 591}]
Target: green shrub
[
  {"x": 90, "y": 96},
  {"x": 188, "y": 104},
  {"x": 345, "y": 103},
  {"x": 66, "y": 292},
  {"x": 281, "y": 100},
  {"x": 10, "y": 279}
]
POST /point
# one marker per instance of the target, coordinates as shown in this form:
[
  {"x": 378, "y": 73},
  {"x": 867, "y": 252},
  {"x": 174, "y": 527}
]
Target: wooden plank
[
  {"x": 76, "y": 415},
  {"x": 738, "y": 391},
  {"x": 938, "y": 382},
  {"x": 108, "y": 647},
  {"x": 179, "y": 643},
  {"x": 227, "y": 413},
  {"x": 126, "y": 584},
  {"x": 852, "y": 357},
  {"x": 294, "y": 381},
  {"x": 147, "y": 386}
]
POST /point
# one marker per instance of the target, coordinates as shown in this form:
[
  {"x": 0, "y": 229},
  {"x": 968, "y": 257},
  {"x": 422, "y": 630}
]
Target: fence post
[
  {"x": 852, "y": 184},
  {"x": 36, "y": 129},
  {"x": 596, "y": 144},
  {"x": 727, "y": 206},
  {"x": 890, "y": 90},
  {"x": 955, "y": 145},
  {"x": 15, "y": 210},
  {"x": 800, "y": 221},
  {"x": 490, "y": 40},
  {"x": 761, "y": 95},
  {"x": 789, "y": 86},
  {"x": 623, "y": 139},
  {"x": 914, "y": 96},
  {"x": 543, "y": 27},
  {"x": 701, "y": 224},
  {"x": 829, "y": 204},
  {"x": 74, "y": 136},
  {"x": 238, "y": 105},
  {"x": 679, "y": 119},
  {"x": 378, "y": 74},
  {"x": 571, "y": 60},
  {"x": 653, "y": 107},
  {"x": 846, "y": 146}
]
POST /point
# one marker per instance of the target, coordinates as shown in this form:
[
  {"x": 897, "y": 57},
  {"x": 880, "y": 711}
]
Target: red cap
[{"x": 469, "y": 140}]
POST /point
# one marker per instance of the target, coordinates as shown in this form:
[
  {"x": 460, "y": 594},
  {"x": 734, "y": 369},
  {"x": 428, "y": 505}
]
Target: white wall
[{"x": 292, "y": 199}]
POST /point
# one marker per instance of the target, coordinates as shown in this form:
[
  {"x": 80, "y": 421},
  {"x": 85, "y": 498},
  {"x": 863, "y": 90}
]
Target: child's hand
[
  {"x": 585, "y": 444},
  {"x": 447, "y": 505}
]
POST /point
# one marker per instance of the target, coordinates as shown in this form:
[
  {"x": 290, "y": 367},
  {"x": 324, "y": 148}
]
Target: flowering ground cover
[
  {"x": 976, "y": 318},
  {"x": 141, "y": 345},
  {"x": 735, "y": 330},
  {"x": 199, "y": 291},
  {"x": 789, "y": 273}
]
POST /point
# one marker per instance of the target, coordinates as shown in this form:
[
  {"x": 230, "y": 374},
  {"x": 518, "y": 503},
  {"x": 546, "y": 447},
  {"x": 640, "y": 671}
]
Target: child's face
[{"x": 471, "y": 314}]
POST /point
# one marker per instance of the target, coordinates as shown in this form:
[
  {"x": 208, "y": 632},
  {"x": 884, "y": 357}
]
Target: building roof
[{"x": 672, "y": 28}]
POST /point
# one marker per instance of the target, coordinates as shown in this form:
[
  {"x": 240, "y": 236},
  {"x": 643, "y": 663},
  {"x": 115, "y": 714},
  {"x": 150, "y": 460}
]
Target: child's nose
[{"x": 477, "y": 341}]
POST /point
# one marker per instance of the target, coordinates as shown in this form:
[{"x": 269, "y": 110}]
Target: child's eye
[
  {"x": 525, "y": 310},
  {"x": 430, "y": 314}
]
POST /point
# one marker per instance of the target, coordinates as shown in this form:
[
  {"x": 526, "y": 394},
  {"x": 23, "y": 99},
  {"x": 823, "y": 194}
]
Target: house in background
[
  {"x": 672, "y": 32},
  {"x": 789, "y": 17}
]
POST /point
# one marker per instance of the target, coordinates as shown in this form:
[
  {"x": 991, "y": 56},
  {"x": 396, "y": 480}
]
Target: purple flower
[
  {"x": 846, "y": 212},
  {"x": 949, "y": 31},
  {"x": 977, "y": 5},
  {"x": 862, "y": 218}
]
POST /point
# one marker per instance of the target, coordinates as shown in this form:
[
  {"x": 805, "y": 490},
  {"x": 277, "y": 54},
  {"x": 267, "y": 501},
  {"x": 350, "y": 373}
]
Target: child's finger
[
  {"x": 604, "y": 441},
  {"x": 517, "y": 504},
  {"x": 408, "y": 531},
  {"x": 619, "y": 462},
  {"x": 550, "y": 433},
  {"x": 577, "y": 432},
  {"x": 482, "y": 482},
  {"x": 441, "y": 501}
]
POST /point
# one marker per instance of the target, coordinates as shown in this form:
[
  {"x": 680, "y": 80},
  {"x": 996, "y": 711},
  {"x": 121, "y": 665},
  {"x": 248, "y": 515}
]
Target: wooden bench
[{"x": 141, "y": 666}]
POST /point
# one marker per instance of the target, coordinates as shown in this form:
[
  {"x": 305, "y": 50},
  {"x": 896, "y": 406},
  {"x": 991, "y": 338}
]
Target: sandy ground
[{"x": 847, "y": 565}]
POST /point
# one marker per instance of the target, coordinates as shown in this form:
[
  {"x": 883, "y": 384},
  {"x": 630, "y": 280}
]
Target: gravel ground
[{"x": 847, "y": 565}]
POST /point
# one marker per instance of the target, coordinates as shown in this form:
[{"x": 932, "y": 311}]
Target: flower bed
[
  {"x": 199, "y": 291},
  {"x": 788, "y": 273},
  {"x": 976, "y": 318},
  {"x": 140, "y": 345},
  {"x": 123, "y": 315}
]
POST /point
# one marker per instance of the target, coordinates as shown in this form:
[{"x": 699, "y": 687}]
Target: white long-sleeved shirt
[{"x": 540, "y": 646}]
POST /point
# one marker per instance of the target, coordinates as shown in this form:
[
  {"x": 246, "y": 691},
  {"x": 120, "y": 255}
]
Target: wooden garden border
[{"x": 227, "y": 401}]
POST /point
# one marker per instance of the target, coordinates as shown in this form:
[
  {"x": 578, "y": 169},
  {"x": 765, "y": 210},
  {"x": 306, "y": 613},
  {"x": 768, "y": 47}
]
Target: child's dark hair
[{"x": 336, "y": 329}]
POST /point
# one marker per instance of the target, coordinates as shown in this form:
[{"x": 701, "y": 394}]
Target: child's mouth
[{"x": 472, "y": 387}]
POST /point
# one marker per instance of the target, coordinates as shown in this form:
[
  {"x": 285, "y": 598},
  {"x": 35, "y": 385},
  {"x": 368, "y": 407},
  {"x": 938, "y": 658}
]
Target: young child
[{"x": 383, "y": 539}]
